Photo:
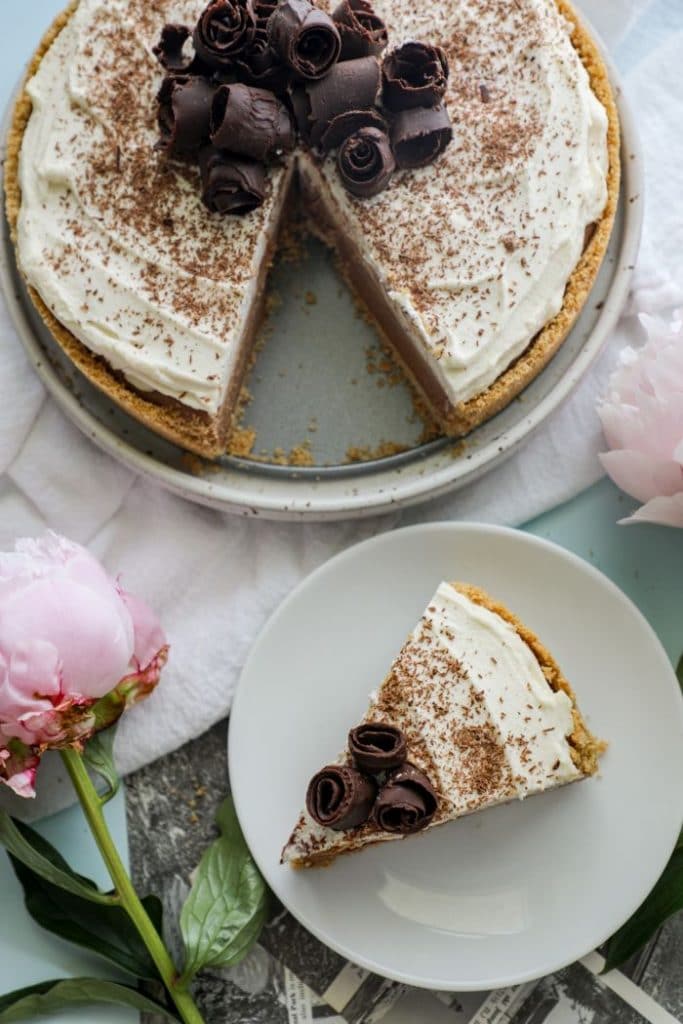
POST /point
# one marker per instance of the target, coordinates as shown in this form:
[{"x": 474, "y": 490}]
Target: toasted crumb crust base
[
  {"x": 585, "y": 748},
  {"x": 207, "y": 435}
]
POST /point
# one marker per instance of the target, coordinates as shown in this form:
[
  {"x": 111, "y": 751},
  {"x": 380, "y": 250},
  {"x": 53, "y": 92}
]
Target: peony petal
[
  {"x": 640, "y": 476},
  {"x": 149, "y": 636},
  {"x": 23, "y": 784},
  {"x": 93, "y": 635},
  {"x": 665, "y": 511}
]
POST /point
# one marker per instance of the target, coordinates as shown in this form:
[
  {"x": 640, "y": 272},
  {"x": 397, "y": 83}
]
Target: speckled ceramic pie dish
[{"x": 309, "y": 347}]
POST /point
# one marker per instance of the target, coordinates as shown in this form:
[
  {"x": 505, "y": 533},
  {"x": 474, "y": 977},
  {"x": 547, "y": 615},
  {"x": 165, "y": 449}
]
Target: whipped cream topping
[
  {"x": 114, "y": 239},
  {"x": 480, "y": 717},
  {"x": 476, "y": 249}
]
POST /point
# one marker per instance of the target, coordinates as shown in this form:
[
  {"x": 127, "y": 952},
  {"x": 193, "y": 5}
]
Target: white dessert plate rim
[
  {"x": 318, "y": 493},
  {"x": 306, "y": 682}
]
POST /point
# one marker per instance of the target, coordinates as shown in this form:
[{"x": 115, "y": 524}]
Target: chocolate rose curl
[
  {"x": 407, "y": 801},
  {"x": 250, "y": 122},
  {"x": 339, "y": 797},
  {"x": 377, "y": 747},
  {"x": 418, "y": 136},
  {"x": 170, "y": 50},
  {"x": 224, "y": 31},
  {"x": 184, "y": 114},
  {"x": 304, "y": 38},
  {"x": 230, "y": 184},
  {"x": 259, "y": 65},
  {"x": 348, "y": 123},
  {"x": 365, "y": 162},
  {"x": 415, "y": 75},
  {"x": 363, "y": 33},
  {"x": 350, "y": 86}
]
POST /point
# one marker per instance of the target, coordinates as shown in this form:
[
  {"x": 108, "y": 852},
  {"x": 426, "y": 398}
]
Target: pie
[
  {"x": 473, "y": 712},
  {"x": 474, "y": 267}
]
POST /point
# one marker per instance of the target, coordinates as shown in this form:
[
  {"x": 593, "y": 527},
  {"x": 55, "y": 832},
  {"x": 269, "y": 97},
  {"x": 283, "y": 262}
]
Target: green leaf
[
  {"x": 99, "y": 758},
  {"x": 227, "y": 905},
  {"x": 26, "y": 846},
  {"x": 665, "y": 899},
  {"x": 105, "y": 930},
  {"x": 61, "y": 994},
  {"x": 679, "y": 671}
]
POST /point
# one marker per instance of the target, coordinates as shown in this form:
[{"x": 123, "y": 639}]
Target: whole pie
[
  {"x": 474, "y": 267},
  {"x": 473, "y": 712}
]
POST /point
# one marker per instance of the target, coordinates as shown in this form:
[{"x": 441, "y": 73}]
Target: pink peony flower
[
  {"x": 642, "y": 417},
  {"x": 75, "y": 651}
]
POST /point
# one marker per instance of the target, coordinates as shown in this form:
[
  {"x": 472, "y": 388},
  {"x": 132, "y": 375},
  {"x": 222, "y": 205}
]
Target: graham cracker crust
[{"x": 207, "y": 435}]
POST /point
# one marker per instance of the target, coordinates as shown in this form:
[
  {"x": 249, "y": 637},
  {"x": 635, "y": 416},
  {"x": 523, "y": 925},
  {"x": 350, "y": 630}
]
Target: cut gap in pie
[{"x": 484, "y": 715}]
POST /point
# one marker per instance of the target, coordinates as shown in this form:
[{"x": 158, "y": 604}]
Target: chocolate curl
[
  {"x": 259, "y": 65},
  {"x": 347, "y": 124},
  {"x": 365, "y": 162},
  {"x": 339, "y": 797},
  {"x": 363, "y": 33},
  {"x": 305, "y": 38},
  {"x": 418, "y": 136},
  {"x": 377, "y": 747},
  {"x": 352, "y": 85},
  {"x": 407, "y": 801},
  {"x": 230, "y": 184},
  {"x": 301, "y": 109},
  {"x": 415, "y": 75},
  {"x": 184, "y": 114},
  {"x": 250, "y": 122},
  {"x": 169, "y": 50},
  {"x": 224, "y": 31}
]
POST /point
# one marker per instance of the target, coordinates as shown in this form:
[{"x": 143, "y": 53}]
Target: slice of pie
[
  {"x": 474, "y": 712},
  {"x": 474, "y": 267}
]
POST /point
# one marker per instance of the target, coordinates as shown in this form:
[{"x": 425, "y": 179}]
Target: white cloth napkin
[{"x": 214, "y": 579}]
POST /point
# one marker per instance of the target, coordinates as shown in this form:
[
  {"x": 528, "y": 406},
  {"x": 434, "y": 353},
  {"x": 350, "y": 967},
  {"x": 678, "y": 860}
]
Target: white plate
[
  {"x": 506, "y": 895},
  {"x": 315, "y": 369}
]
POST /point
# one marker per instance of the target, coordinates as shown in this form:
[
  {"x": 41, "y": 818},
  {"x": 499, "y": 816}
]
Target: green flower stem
[{"x": 92, "y": 808}]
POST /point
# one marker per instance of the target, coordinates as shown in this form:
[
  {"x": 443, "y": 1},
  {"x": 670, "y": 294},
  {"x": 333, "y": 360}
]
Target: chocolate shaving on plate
[
  {"x": 352, "y": 85},
  {"x": 339, "y": 797},
  {"x": 418, "y": 136},
  {"x": 415, "y": 75},
  {"x": 224, "y": 31},
  {"x": 230, "y": 184},
  {"x": 365, "y": 162},
  {"x": 363, "y": 33},
  {"x": 184, "y": 114},
  {"x": 304, "y": 37},
  {"x": 377, "y": 746},
  {"x": 250, "y": 122},
  {"x": 406, "y": 802}
]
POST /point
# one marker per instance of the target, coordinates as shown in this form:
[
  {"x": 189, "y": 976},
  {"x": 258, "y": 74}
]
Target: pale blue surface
[
  {"x": 646, "y": 562},
  {"x": 27, "y": 953}
]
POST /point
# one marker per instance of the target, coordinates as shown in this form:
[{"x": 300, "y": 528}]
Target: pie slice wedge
[{"x": 474, "y": 712}]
